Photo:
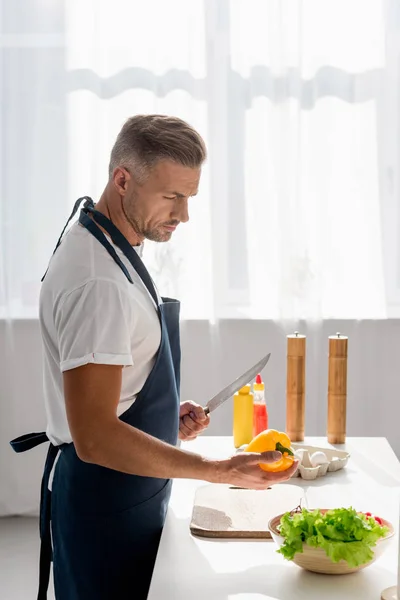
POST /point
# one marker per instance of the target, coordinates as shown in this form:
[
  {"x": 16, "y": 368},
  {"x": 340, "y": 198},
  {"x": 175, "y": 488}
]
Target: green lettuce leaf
[{"x": 343, "y": 533}]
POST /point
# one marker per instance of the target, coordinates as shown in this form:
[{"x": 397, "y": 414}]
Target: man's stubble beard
[{"x": 139, "y": 228}]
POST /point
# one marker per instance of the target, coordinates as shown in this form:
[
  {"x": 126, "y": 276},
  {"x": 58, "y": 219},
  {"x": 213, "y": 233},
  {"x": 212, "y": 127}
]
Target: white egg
[
  {"x": 300, "y": 454},
  {"x": 318, "y": 458}
]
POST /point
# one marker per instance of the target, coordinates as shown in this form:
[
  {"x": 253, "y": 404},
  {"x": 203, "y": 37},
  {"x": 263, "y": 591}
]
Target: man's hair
[{"x": 146, "y": 139}]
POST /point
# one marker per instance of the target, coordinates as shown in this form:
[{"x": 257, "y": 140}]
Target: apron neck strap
[
  {"x": 117, "y": 237},
  {"x": 120, "y": 241},
  {"x": 71, "y": 216}
]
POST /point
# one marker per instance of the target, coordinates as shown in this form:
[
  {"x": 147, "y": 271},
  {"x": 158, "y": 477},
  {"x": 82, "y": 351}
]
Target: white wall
[{"x": 212, "y": 356}]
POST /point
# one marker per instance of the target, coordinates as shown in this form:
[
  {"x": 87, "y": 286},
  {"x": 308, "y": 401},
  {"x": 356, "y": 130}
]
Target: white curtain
[{"x": 298, "y": 215}]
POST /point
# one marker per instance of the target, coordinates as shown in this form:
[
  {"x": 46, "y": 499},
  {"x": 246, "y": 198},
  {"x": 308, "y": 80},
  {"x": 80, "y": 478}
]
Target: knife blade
[{"x": 236, "y": 385}]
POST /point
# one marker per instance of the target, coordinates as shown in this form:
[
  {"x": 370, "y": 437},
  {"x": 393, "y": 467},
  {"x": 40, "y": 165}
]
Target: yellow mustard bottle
[{"x": 243, "y": 416}]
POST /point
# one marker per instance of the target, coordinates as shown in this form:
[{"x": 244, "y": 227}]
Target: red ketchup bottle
[{"x": 260, "y": 408}]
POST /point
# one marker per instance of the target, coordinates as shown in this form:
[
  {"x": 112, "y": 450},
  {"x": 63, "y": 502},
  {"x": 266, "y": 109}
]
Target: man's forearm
[{"x": 124, "y": 448}]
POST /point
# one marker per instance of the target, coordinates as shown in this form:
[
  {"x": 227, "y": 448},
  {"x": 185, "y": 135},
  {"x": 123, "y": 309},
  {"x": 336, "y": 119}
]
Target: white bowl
[{"x": 316, "y": 559}]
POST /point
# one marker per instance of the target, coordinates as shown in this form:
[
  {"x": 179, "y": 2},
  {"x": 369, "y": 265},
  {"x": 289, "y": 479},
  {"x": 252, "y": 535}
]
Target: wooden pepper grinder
[
  {"x": 337, "y": 389},
  {"x": 295, "y": 386}
]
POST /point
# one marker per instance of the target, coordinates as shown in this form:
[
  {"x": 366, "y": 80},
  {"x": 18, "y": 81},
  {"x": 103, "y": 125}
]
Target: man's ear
[{"x": 120, "y": 178}]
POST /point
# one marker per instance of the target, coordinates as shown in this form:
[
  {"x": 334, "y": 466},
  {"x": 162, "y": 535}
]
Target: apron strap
[
  {"x": 71, "y": 216},
  {"x": 28, "y": 441},
  {"x": 46, "y": 552},
  {"x": 119, "y": 240},
  {"x": 99, "y": 235},
  {"x": 22, "y": 444}
]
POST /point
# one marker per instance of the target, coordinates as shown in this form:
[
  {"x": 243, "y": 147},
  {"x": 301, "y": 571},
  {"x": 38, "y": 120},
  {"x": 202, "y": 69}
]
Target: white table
[{"x": 190, "y": 568}]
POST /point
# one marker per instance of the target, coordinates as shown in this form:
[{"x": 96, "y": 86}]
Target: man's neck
[{"x": 112, "y": 209}]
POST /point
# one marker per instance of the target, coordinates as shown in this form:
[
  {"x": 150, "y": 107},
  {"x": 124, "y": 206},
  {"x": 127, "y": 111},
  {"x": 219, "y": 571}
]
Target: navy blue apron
[{"x": 102, "y": 527}]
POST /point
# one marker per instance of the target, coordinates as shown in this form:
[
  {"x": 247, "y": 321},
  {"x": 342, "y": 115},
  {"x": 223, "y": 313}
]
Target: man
[{"x": 111, "y": 376}]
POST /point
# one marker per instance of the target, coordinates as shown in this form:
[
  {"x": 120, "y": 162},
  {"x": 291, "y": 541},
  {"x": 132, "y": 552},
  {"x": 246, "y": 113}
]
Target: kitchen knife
[{"x": 236, "y": 385}]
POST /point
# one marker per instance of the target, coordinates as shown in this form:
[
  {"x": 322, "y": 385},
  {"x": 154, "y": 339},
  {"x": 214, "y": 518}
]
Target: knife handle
[{"x": 206, "y": 411}]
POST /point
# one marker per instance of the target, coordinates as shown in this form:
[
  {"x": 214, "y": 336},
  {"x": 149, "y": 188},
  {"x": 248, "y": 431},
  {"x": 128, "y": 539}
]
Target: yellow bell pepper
[{"x": 270, "y": 440}]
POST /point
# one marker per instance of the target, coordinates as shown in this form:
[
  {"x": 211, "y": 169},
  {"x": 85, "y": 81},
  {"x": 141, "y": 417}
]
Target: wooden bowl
[{"x": 316, "y": 559}]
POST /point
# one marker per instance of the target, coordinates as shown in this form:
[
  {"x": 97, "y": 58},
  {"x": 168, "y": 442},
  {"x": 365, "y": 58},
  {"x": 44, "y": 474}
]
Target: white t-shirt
[{"x": 91, "y": 313}]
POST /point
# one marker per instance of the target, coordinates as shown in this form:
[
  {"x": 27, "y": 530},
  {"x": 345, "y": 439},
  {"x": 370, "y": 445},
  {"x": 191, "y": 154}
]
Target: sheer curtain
[{"x": 298, "y": 215}]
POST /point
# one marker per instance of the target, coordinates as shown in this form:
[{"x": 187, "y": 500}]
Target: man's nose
[{"x": 182, "y": 211}]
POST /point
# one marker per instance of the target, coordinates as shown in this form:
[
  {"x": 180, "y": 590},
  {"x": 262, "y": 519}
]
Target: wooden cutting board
[{"x": 221, "y": 511}]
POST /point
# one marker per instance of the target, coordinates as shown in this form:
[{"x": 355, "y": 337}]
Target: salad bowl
[{"x": 316, "y": 559}]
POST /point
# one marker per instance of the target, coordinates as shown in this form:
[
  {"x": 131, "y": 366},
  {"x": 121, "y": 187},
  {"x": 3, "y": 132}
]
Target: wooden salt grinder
[
  {"x": 295, "y": 386},
  {"x": 337, "y": 389}
]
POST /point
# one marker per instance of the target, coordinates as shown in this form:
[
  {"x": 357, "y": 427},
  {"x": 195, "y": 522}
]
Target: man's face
[{"x": 156, "y": 207}]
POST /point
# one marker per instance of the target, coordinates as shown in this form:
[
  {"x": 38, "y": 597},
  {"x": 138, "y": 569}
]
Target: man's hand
[
  {"x": 243, "y": 470},
  {"x": 192, "y": 420}
]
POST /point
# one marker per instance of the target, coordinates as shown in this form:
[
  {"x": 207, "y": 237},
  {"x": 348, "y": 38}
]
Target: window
[{"x": 298, "y": 214}]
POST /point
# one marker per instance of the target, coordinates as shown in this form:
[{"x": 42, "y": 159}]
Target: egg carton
[{"x": 317, "y": 462}]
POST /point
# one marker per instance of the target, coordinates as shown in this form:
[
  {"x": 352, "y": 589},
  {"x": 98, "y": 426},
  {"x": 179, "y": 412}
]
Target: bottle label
[{"x": 259, "y": 396}]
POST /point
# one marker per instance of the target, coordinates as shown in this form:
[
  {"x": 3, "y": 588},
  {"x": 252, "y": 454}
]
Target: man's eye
[{"x": 170, "y": 197}]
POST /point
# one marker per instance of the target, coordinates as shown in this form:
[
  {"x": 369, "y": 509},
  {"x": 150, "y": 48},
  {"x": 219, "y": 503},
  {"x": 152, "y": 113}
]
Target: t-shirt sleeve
[{"x": 94, "y": 325}]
